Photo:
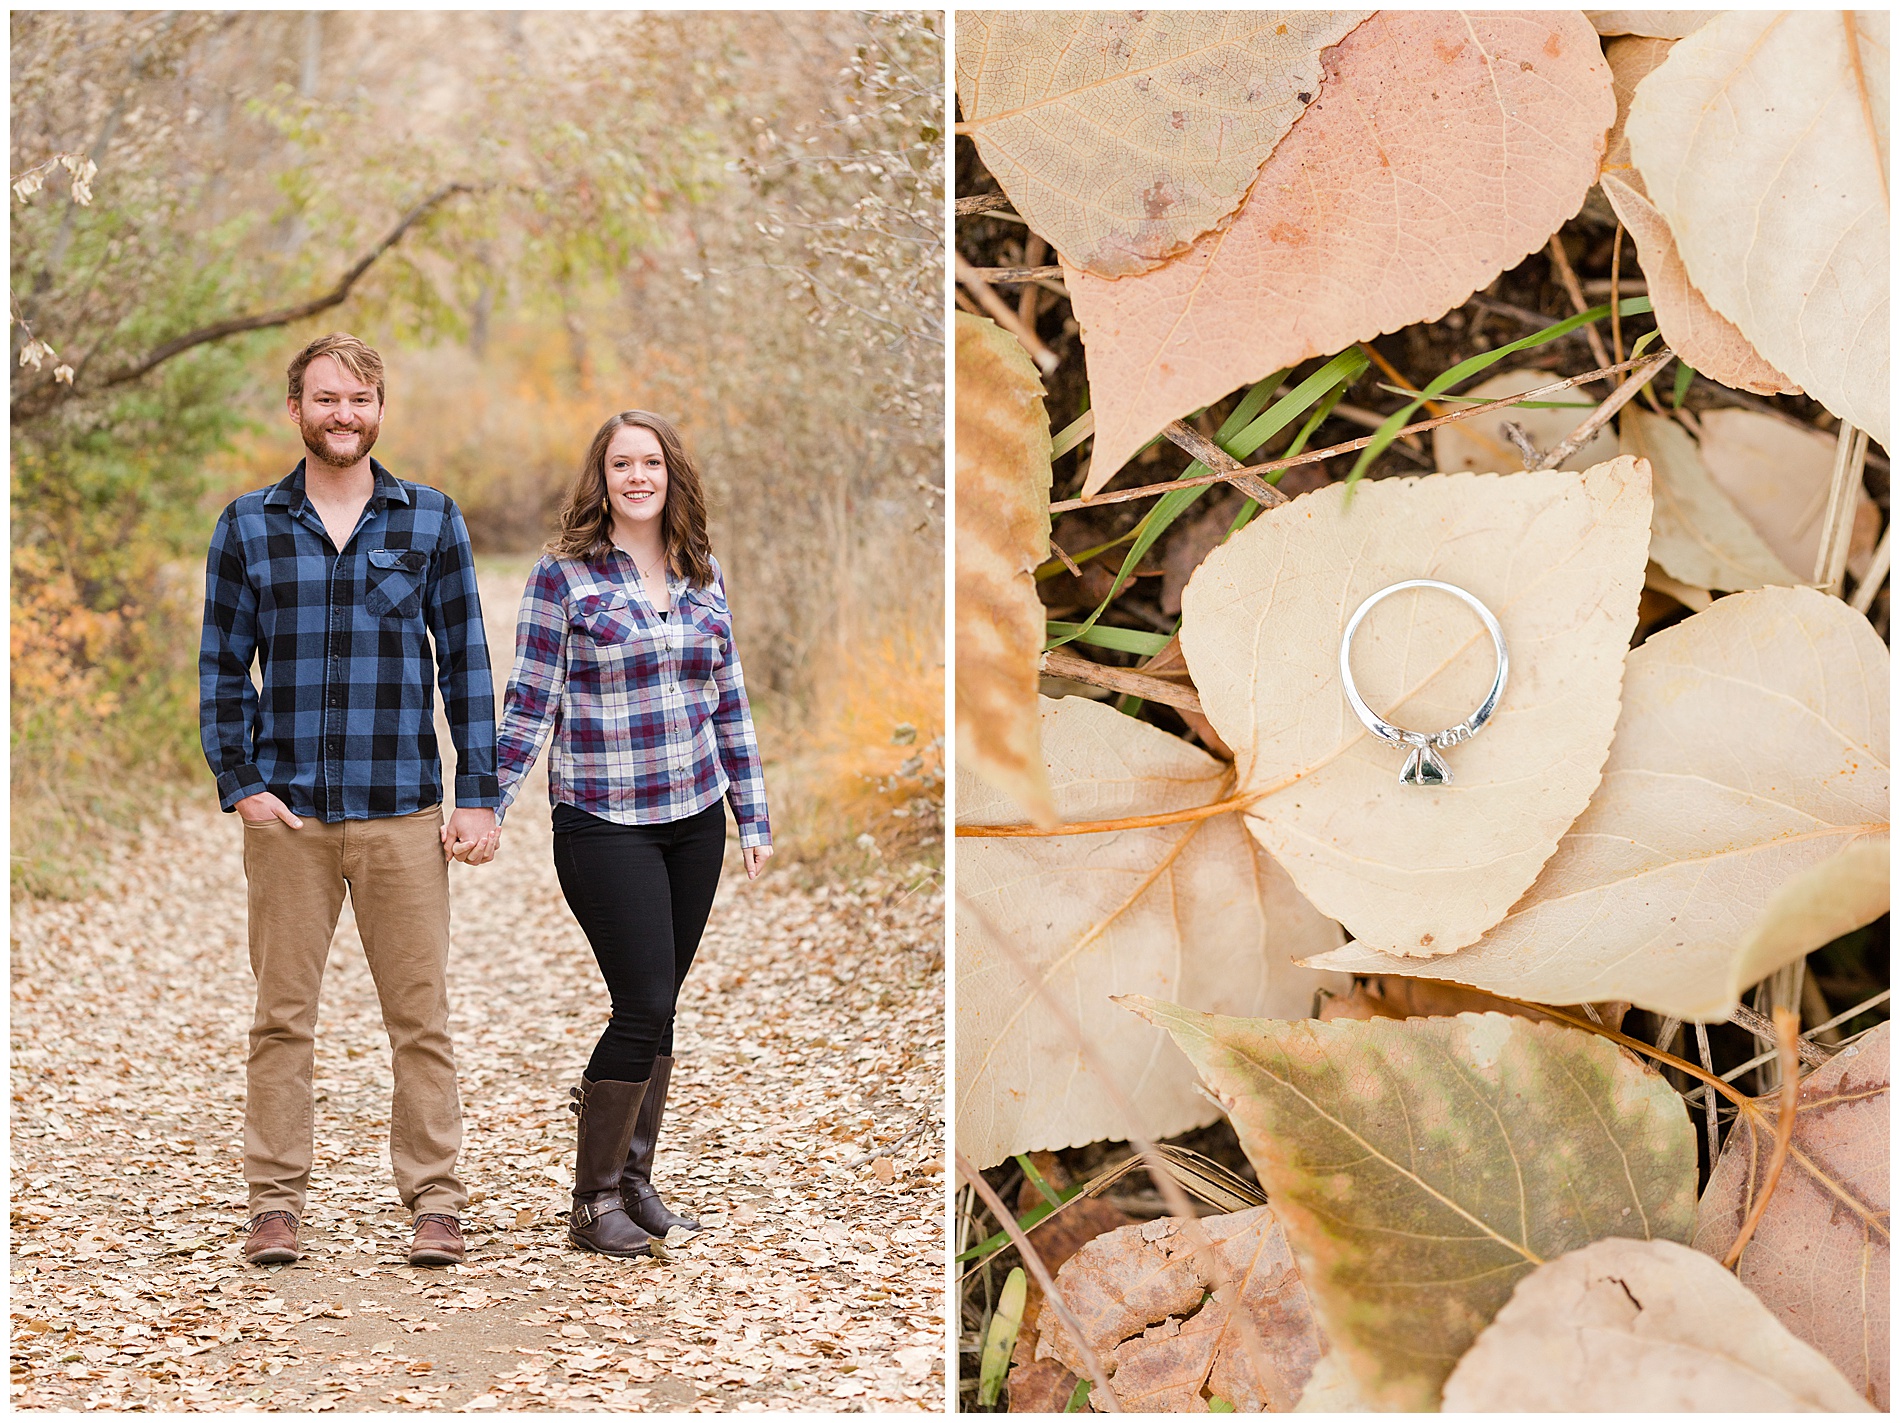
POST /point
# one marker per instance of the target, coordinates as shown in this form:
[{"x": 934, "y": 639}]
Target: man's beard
[{"x": 313, "y": 441}]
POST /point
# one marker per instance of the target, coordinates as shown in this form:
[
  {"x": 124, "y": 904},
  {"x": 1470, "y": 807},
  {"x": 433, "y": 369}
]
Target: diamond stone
[{"x": 1423, "y": 768}]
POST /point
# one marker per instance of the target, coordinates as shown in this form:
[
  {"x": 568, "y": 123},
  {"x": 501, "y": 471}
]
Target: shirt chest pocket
[
  {"x": 395, "y": 582},
  {"x": 606, "y": 619},
  {"x": 708, "y": 631}
]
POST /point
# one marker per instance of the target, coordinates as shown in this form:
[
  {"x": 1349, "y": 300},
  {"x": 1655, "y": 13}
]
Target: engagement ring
[{"x": 1424, "y": 766}]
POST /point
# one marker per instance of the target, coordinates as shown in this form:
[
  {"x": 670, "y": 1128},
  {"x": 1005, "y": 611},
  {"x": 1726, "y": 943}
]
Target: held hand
[
  {"x": 264, "y": 807},
  {"x": 471, "y": 836},
  {"x": 755, "y": 858}
]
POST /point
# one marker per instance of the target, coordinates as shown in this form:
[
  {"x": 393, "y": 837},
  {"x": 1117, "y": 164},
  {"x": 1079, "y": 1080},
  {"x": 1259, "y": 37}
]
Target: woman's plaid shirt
[
  {"x": 649, "y": 713},
  {"x": 344, "y": 727}
]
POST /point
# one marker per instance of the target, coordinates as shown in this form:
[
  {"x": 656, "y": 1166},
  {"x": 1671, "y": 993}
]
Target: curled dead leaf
[
  {"x": 1142, "y": 1294},
  {"x": 1002, "y": 535}
]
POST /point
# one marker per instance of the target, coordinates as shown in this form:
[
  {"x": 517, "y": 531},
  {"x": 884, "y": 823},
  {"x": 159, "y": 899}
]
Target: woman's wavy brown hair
[{"x": 587, "y": 524}]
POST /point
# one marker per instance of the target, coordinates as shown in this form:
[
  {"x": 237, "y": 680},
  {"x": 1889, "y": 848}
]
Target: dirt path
[{"x": 810, "y": 1033}]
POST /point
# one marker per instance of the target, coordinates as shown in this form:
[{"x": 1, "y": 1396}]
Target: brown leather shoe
[
  {"x": 438, "y": 1241},
  {"x": 599, "y": 1221},
  {"x": 636, "y": 1179},
  {"x": 273, "y": 1239}
]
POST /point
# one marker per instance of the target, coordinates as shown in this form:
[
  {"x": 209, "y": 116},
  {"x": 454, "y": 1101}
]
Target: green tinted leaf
[{"x": 1423, "y": 1166}]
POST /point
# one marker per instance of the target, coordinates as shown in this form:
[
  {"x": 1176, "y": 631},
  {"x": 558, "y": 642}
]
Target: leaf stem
[
  {"x": 1787, "y": 1034},
  {"x": 1104, "y": 827}
]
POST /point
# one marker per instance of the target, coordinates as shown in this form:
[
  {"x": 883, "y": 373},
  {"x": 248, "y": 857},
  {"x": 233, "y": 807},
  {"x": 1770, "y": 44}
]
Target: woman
[{"x": 624, "y": 647}]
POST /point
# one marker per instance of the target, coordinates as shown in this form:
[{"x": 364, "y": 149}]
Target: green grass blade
[
  {"x": 1313, "y": 422},
  {"x": 1030, "y": 1218},
  {"x": 1473, "y": 365},
  {"x": 1240, "y": 435},
  {"x": 1005, "y": 1324},
  {"x": 1037, "y": 1179},
  {"x": 1144, "y": 644},
  {"x": 1079, "y": 1400},
  {"x": 1685, "y": 374}
]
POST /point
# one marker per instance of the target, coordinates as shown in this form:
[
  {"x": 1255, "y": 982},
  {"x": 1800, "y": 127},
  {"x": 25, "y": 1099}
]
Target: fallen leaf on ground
[
  {"x": 1558, "y": 559},
  {"x": 1693, "y": 329},
  {"x": 1142, "y": 1294},
  {"x": 1442, "y": 148},
  {"x": 1044, "y": 1386},
  {"x": 1392, "y": 995},
  {"x": 1194, "y": 910},
  {"x": 1002, "y": 535},
  {"x": 1123, "y": 136},
  {"x": 1821, "y": 1256},
  {"x": 1478, "y": 443},
  {"x": 1643, "y": 1326},
  {"x": 1779, "y": 211},
  {"x": 1663, "y": 24},
  {"x": 1778, "y": 473},
  {"x": 1697, "y": 533},
  {"x": 1742, "y": 820},
  {"x": 1423, "y": 1167}
]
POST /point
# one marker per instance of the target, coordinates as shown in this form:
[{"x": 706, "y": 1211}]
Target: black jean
[{"x": 641, "y": 894}]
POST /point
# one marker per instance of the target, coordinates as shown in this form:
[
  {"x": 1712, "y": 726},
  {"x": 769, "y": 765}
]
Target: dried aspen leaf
[
  {"x": 1558, "y": 559},
  {"x": 1478, "y": 444},
  {"x": 1778, "y": 474},
  {"x": 1779, "y": 211},
  {"x": 1697, "y": 534},
  {"x": 1139, "y": 1294},
  {"x": 1644, "y": 1326},
  {"x": 1422, "y": 1167},
  {"x": 1660, "y": 24},
  {"x": 1694, "y": 329},
  {"x": 1122, "y": 137},
  {"x": 1194, "y": 910},
  {"x": 1002, "y": 535},
  {"x": 1821, "y": 1257},
  {"x": 1442, "y": 149},
  {"x": 1742, "y": 820}
]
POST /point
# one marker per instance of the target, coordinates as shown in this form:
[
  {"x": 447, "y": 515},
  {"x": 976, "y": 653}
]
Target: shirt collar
[{"x": 289, "y": 492}]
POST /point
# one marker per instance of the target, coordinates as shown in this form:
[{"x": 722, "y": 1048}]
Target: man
[{"x": 335, "y": 579}]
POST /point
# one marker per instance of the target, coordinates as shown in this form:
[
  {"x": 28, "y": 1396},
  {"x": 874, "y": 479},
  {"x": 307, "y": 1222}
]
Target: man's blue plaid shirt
[{"x": 344, "y": 727}]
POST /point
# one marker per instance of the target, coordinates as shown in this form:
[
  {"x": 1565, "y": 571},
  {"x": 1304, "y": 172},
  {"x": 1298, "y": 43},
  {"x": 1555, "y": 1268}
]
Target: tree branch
[{"x": 336, "y": 296}]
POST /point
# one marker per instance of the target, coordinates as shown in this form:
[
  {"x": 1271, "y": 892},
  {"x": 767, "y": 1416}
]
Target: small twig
[
  {"x": 1215, "y": 458},
  {"x": 891, "y": 1149},
  {"x": 984, "y": 202},
  {"x": 1521, "y": 442},
  {"x": 1104, "y": 1396},
  {"x": 1561, "y": 260},
  {"x": 1104, "y": 827},
  {"x": 1029, "y": 299},
  {"x": 1060, "y": 662},
  {"x": 1837, "y": 527},
  {"x": 999, "y": 311},
  {"x": 1877, "y": 571},
  {"x": 1148, "y": 491},
  {"x": 1764, "y": 1028},
  {"x": 1602, "y": 415},
  {"x": 1787, "y": 1030},
  {"x": 1708, "y": 1093},
  {"x": 1011, "y": 276},
  {"x": 1616, "y": 302},
  {"x": 1062, "y": 556},
  {"x": 1851, "y": 1013}
]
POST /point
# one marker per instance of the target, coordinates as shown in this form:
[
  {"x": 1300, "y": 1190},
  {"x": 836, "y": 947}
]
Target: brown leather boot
[
  {"x": 598, "y": 1220},
  {"x": 636, "y": 1181},
  {"x": 273, "y": 1239},
  {"x": 438, "y": 1240}
]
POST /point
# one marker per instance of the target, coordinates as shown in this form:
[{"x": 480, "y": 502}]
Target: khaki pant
[{"x": 398, "y": 883}]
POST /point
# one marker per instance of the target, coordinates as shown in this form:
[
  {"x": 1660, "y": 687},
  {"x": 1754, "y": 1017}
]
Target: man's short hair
[{"x": 351, "y": 352}]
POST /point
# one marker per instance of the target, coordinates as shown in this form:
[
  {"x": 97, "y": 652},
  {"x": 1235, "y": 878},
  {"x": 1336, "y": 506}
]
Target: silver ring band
[{"x": 1424, "y": 767}]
